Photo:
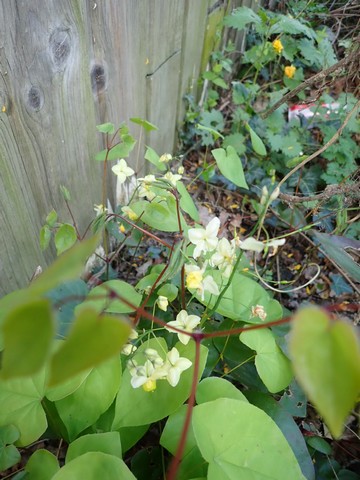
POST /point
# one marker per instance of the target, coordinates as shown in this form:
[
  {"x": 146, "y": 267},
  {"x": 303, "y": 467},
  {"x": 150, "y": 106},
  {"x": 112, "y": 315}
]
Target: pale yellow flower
[
  {"x": 166, "y": 157},
  {"x": 122, "y": 170},
  {"x": 205, "y": 239},
  {"x": 184, "y": 322},
  {"x": 162, "y": 302},
  {"x": 129, "y": 212}
]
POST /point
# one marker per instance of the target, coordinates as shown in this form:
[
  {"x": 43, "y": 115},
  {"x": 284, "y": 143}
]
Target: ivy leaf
[
  {"x": 241, "y": 17},
  {"x": 326, "y": 360}
]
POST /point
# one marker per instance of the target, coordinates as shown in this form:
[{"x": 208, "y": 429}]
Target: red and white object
[{"x": 308, "y": 111}]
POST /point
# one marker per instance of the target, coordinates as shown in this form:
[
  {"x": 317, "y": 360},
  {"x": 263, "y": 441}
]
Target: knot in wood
[
  {"x": 35, "y": 99},
  {"x": 98, "y": 78},
  {"x": 60, "y": 46}
]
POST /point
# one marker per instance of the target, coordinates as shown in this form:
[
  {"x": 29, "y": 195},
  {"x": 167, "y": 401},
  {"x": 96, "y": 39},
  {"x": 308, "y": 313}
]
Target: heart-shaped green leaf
[
  {"x": 273, "y": 367},
  {"x": 326, "y": 360},
  {"x": 107, "y": 442},
  {"x": 91, "y": 399},
  {"x": 9, "y": 454},
  {"x": 42, "y": 465},
  {"x": 240, "y": 441},
  {"x": 93, "y": 466},
  {"x": 20, "y": 401}
]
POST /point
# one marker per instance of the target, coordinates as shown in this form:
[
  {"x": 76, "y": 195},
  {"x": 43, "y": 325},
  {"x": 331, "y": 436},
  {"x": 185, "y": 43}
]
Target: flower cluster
[
  {"x": 155, "y": 368},
  {"x": 221, "y": 253}
]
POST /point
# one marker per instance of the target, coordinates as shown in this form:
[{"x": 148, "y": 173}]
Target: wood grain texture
[{"x": 66, "y": 66}]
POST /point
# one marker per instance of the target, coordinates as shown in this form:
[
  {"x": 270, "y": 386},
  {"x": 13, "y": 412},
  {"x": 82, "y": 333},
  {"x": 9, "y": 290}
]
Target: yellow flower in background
[
  {"x": 290, "y": 71},
  {"x": 278, "y": 46}
]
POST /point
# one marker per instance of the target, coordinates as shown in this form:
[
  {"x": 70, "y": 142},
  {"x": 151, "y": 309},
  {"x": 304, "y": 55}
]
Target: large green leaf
[
  {"x": 289, "y": 428},
  {"x": 84, "y": 406},
  {"x": 67, "y": 267},
  {"x": 212, "y": 388},
  {"x": 95, "y": 466},
  {"x": 192, "y": 463},
  {"x": 230, "y": 165},
  {"x": 243, "y": 294},
  {"x": 99, "y": 298},
  {"x": 326, "y": 360},
  {"x": 159, "y": 214},
  {"x": 42, "y": 465},
  {"x": 107, "y": 442},
  {"x": 92, "y": 340},
  {"x": 9, "y": 454},
  {"x": 28, "y": 332},
  {"x": 241, "y": 442},
  {"x": 273, "y": 366},
  {"x": 66, "y": 388},
  {"x": 135, "y": 407},
  {"x": 20, "y": 401}
]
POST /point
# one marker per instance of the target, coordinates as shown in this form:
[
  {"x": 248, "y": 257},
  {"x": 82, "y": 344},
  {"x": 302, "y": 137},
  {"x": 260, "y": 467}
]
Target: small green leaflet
[
  {"x": 256, "y": 141},
  {"x": 144, "y": 123}
]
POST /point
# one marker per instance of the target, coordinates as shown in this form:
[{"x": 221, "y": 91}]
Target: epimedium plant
[{"x": 197, "y": 348}]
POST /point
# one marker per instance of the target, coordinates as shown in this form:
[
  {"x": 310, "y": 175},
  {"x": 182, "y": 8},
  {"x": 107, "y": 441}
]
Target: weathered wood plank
[{"x": 66, "y": 66}]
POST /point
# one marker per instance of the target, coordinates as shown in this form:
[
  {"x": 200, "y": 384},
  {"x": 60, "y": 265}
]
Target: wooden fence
[{"x": 66, "y": 66}]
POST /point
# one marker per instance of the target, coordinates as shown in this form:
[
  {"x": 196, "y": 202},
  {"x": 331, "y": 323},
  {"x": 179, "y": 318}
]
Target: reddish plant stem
[
  {"x": 171, "y": 474},
  {"x": 144, "y": 303},
  {"x": 142, "y": 230},
  {"x": 73, "y": 220}
]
